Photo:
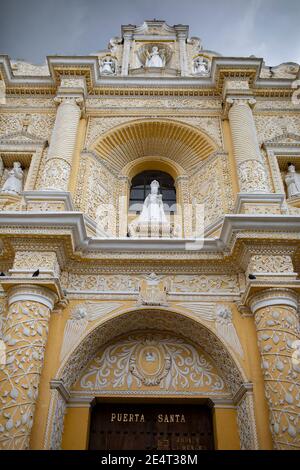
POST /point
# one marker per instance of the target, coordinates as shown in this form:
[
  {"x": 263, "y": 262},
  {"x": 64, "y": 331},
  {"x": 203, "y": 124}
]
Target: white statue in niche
[
  {"x": 14, "y": 181},
  {"x": 292, "y": 180},
  {"x": 107, "y": 66},
  {"x": 155, "y": 58},
  {"x": 152, "y": 222},
  {"x": 200, "y": 66},
  {"x": 153, "y": 208}
]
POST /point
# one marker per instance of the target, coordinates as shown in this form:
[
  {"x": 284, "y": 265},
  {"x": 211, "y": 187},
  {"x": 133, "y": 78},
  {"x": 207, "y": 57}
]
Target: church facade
[{"x": 149, "y": 252}]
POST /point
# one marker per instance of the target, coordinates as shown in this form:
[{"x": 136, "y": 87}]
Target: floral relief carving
[
  {"x": 252, "y": 176},
  {"x": 25, "y": 334},
  {"x": 277, "y": 330},
  {"x": 160, "y": 321},
  {"x": 151, "y": 360}
]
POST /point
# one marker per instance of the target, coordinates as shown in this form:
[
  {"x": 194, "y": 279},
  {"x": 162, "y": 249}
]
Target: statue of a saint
[
  {"x": 153, "y": 209},
  {"x": 155, "y": 58},
  {"x": 14, "y": 181},
  {"x": 292, "y": 181},
  {"x": 200, "y": 66},
  {"x": 152, "y": 221},
  {"x": 107, "y": 66}
]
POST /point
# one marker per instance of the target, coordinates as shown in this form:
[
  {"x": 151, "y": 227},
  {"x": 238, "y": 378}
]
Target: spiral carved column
[
  {"x": 62, "y": 144},
  {"x": 25, "y": 335},
  {"x": 277, "y": 324},
  {"x": 251, "y": 171}
]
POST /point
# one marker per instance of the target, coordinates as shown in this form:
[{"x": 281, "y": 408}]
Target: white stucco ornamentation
[
  {"x": 252, "y": 174},
  {"x": 277, "y": 330},
  {"x": 62, "y": 144},
  {"x": 154, "y": 360},
  {"x": 25, "y": 335}
]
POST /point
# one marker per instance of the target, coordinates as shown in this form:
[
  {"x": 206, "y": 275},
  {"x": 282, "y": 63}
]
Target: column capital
[
  {"x": 237, "y": 100},
  {"x": 32, "y": 293},
  {"x": 70, "y": 98},
  {"x": 273, "y": 296}
]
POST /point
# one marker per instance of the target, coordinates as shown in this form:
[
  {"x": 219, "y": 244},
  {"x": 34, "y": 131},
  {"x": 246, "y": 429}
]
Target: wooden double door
[{"x": 148, "y": 426}]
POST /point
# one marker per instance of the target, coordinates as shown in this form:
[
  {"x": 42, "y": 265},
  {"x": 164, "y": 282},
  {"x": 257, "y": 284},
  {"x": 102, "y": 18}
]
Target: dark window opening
[{"x": 140, "y": 188}]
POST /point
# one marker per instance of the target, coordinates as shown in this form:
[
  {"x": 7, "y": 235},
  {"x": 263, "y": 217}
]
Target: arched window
[{"x": 140, "y": 188}]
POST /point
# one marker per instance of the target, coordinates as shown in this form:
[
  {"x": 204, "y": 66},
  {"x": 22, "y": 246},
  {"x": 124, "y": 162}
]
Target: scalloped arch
[{"x": 181, "y": 143}]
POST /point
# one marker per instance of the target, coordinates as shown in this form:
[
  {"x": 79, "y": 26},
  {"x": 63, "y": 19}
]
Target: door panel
[{"x": 116, "y": 426}]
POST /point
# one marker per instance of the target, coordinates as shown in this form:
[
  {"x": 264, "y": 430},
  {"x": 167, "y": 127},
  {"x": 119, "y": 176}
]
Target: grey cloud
[{"x": 32, "y": 29}]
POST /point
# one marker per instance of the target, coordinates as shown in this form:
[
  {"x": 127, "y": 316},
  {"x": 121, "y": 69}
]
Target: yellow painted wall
[
  {"x": 225, "y": 429},
  {"x": 76, "y": 430}
]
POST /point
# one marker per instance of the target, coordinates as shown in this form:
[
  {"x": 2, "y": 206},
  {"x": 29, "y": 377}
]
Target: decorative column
[
  {"x": 182, "y": 52},
  {"x": 250, "y": 166},
  {"x": 25, "y": 335},
  {"x": 277, "y": 324},
  {"x": 126, "y": 52},
  {"x": 62, "y": 144}
]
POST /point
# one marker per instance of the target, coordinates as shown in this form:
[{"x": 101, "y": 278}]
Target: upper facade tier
[{"x": 151, "y": 55}]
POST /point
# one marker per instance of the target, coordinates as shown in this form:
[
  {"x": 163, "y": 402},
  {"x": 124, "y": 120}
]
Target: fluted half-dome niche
[{"x": 178, "y": 142}]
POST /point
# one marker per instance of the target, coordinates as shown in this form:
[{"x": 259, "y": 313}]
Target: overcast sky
[{"x": 32, "y": 29}]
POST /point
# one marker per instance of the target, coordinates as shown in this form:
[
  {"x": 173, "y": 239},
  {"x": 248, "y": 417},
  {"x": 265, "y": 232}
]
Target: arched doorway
[{"x": 228, "y": 390}]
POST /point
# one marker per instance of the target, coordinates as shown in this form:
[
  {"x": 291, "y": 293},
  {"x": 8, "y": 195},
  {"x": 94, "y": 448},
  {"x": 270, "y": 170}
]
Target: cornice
[
  {"x": 88, "y": 67},
  {"x": 71, "y": 225}
]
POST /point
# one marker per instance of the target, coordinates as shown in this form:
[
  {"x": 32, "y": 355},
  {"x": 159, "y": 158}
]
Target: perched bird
[
  {"x": 2, "y": 274},
  {"x": 36, "y": 273},
  {"x": 251, "y": 276}
]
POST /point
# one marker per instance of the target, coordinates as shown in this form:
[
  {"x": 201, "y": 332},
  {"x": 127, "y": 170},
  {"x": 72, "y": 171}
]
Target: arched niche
[{"x": 152, "y": 321}]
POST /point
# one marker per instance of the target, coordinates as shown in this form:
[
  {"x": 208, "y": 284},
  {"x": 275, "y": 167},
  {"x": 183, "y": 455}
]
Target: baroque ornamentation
[
  {"x": 211, "y": 186},
  {"x": 56, "y": 174},
  {"x": 270, "y": 264},
  {"x": 221, "y": 315},
  {"x": 58, "y": 420},
  {"x": 160, "y": 321},
  {"x": 246, "y": 423},
  {"x": 252, "y": 176},
  {"x": 28, "y": 260},
  {"x": 25, "y": 334},
  {"x": 39, "y": 125},
  {"x": 81, "y": 316},
  {"x": 151, "y": 360},
  {"x": 277, "y": 331}
]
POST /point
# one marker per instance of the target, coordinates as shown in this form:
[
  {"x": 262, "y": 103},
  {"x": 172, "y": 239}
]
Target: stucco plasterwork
[
  {"x": 39, "y": 125},
  {"x": 25, "y": 334},
  {"x": 151, "y": 319},
  {"x": 269, "y": 127},
  {"x": 210, "y": 186},
  {"x": 157, "y": 361},
  {"x": 225, "y": 129},
  {"x": 180, "y": 103}
]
